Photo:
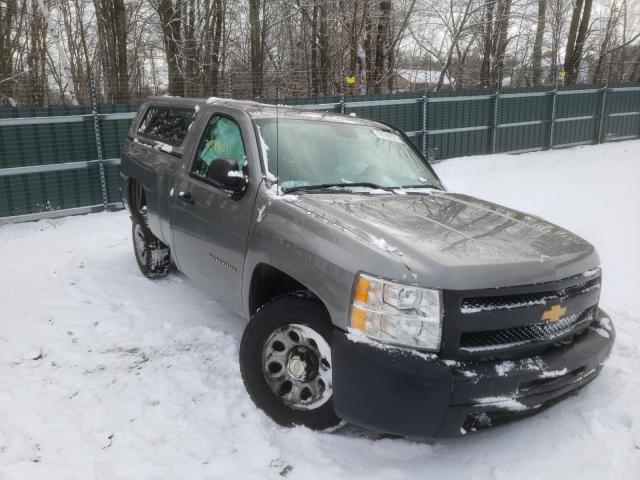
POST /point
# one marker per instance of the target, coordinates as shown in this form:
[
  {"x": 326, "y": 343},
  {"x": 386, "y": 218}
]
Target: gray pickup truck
[{"x": 373, "y": 295}]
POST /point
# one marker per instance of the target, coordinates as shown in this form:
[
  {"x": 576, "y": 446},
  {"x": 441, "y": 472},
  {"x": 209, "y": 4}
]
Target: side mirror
[{"x": 226, "y": 173}]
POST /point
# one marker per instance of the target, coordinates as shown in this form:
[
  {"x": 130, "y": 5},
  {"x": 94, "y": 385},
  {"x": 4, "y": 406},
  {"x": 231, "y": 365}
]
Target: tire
[
  {"x": 153, "y": 256},
  {"x": 304, "y": 315}
]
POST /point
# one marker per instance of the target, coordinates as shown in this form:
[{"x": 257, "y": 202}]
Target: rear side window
[{"x": 167, "y": 125}]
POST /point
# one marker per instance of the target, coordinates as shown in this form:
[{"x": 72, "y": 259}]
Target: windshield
[{"x": 308, "y": 153}]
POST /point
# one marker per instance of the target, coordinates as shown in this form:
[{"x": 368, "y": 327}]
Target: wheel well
[
  {"x": 136, "y": 196},
  {"x": 268, "y": 283}
]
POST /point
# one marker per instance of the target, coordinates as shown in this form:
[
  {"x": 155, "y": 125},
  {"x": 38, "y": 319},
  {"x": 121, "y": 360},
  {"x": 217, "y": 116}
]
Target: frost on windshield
[{"x": 318, "y": 154}]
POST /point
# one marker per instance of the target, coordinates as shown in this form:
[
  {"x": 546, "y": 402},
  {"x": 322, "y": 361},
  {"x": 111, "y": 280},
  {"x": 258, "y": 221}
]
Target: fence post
[
  {"x": 603, "y": 109},
  {"x": 425, "y": 103},
  {"x": 96, "y": 128},
  {"x": 494, "y": 140},
  {"x": 552, "y": 125}
]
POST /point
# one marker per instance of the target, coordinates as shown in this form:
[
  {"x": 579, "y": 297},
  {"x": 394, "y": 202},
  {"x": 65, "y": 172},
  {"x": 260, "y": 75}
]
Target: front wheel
[{"x": 285, "y": 361}]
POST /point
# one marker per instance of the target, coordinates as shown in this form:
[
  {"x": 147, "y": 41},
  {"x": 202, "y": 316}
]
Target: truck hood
[{"x": 455, "y": 241}]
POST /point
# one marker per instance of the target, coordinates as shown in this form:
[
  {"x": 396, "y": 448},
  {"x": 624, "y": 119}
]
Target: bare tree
[
  {"x": 112, "y": 44},
  {"x": 578, "y": 31},
  {"x": 260, "y": 48},
  {"x": 171, "y": 25},
  {"x": 495, "y": 40},
  {"x": 536, "y": 58},
  {"x": 558, "y": 9},
  {"x": 258, "y": 33}
]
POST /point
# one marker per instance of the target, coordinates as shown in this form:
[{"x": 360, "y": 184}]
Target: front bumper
[{"x": 403, "y": 392}]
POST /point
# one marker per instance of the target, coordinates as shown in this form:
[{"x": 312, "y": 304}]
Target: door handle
[{"x": 185, "y": 197}]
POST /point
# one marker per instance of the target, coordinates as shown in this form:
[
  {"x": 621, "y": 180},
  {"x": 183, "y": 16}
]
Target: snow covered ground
[{"x": 106, "y": 375}]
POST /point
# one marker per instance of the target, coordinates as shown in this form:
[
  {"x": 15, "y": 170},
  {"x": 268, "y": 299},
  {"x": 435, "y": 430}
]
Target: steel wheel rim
[
  {"x": 296, "y": 364},
  {"x": 140, "y": 244}
]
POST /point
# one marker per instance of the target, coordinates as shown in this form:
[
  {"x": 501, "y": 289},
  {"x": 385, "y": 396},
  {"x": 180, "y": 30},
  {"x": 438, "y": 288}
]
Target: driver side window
[{"x": 221, "y": 139}]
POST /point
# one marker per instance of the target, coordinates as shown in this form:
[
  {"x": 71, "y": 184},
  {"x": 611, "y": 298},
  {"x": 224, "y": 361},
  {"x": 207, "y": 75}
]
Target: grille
[
  {"x": 527, "y": 334},
  {"x": 510, "y": 302}
]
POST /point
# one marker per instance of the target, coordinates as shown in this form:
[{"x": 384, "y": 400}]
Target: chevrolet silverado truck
[{"x": 373, "y": 295}]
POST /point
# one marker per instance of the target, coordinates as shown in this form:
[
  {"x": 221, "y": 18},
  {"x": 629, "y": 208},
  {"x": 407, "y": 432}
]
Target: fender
[{"x": 314, "y": 251}]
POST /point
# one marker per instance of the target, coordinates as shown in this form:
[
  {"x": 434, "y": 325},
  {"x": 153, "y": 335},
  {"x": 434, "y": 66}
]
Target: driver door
[{"x": 210, "y": 226}]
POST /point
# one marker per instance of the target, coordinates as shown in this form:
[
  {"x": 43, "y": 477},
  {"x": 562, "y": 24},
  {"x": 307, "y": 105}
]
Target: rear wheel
[
  {"x": 285, "y": 361},
  {"x": 153, "y": 256}
]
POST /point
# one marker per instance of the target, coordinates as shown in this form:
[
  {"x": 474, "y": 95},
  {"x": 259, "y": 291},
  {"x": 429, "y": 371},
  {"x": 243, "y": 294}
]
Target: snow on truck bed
[{"x": 106, "y": 375}]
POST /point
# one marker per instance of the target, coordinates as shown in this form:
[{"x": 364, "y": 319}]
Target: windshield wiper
[
  {"x": 435, "y": 187},
  {"x": 327, "y": 186}
]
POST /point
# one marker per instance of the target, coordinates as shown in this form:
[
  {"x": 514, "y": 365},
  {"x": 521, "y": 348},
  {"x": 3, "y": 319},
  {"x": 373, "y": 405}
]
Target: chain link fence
[{"x": 61, "y": 160}]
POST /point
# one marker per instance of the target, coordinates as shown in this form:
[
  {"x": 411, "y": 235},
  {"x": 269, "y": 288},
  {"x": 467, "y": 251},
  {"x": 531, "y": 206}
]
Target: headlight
[{"x": 398, "y": 314}]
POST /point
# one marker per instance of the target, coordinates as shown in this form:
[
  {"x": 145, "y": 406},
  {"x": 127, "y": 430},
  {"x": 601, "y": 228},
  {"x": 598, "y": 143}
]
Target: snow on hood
[{"x": 444, "y": 235}]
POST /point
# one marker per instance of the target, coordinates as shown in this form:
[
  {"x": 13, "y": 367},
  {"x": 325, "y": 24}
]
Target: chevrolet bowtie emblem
[{"x": 554, "y": 313}]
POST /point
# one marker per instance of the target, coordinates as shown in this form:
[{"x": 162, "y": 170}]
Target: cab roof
[{"x": 261, "y": 110}]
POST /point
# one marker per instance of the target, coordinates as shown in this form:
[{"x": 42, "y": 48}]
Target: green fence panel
[
  {"x": 578, "y": 104},
  {"x": 521, "y": 138},
  {"x": 524, "y": 121},
  {"x": 458, "y": 113},
  {"x": 113, "y": 133},
  {"x": 458, "y": 123},
  {"x": 623, "y": 113},
  {"x": 576, "y": 132},
  {"x": 112, "y": 179},
  {"x": 578, "y": 115},
  {"x": 405, "y": 116},
  {"x": 458, "y": 144},
  {"x": 47, "y": 143},
  {"x": 622, "y": 127},
  {"x": 38, "y": 144},
  {"x": 475, "y": 114},
  {"x": 44, "y": 192}
]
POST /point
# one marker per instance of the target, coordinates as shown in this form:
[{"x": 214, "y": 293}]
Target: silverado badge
[{"x": 554, "y": 313}]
